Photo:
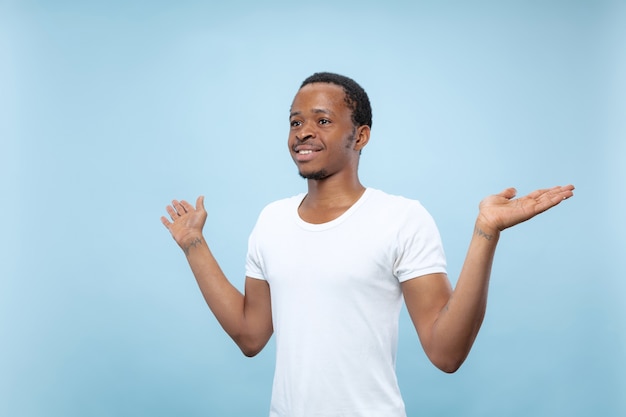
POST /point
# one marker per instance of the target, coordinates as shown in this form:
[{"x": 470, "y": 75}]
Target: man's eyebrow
[{"x": 315, "y": 111}]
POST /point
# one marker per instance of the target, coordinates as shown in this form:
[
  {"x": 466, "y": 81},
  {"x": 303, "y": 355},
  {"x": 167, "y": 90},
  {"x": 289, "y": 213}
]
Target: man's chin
[{"x": 315, "y": 175}]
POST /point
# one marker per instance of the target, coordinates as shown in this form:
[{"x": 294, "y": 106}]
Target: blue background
[{"x": 108, "y": 110}]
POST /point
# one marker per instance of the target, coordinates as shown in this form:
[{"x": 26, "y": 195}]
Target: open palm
[
  {"x": 503, "y": 210},
  {"x": 187, "y": 220}
]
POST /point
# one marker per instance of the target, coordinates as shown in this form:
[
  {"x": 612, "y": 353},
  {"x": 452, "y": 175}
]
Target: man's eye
[
  {"x": 295, "y": 123},
  {"x": 324, "y": 121}
]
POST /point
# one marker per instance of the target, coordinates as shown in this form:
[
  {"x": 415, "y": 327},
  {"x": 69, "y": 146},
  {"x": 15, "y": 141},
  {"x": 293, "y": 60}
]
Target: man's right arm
[{"x": 247, "y": 318}]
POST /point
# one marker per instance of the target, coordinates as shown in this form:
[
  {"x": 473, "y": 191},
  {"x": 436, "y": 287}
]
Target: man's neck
[{"x": 326, "y": 199}]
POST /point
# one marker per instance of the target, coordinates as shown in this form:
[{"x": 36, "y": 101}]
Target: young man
[{"x": 327, "y": 270}]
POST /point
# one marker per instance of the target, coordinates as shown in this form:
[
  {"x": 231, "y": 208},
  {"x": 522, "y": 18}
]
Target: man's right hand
[{"x": 187, "y": 222}]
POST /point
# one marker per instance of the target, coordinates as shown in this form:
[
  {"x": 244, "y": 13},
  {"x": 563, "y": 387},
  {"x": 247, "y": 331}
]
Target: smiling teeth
[{"x": 305, "y": 152}]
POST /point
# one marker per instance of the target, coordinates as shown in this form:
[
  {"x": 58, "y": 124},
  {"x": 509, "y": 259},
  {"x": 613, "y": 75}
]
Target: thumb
[
  {"x": 200, "y": 203},
  {"x": 509, "y": 193}
]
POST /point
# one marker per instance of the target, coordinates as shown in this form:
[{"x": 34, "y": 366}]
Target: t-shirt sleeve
[
  {"x": 254, "y": 263},
  {"x": 419, "y": 251}
]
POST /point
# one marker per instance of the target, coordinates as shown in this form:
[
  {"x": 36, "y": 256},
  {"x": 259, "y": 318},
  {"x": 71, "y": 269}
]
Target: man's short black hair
[{"x": 356, "y": 97}]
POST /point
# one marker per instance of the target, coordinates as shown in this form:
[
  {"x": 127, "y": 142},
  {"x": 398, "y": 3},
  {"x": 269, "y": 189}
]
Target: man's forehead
[{"x": 314, "y": 111}]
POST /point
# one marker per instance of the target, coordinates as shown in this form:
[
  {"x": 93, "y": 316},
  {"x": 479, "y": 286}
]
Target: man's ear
[{"x": 362, "y": 136}]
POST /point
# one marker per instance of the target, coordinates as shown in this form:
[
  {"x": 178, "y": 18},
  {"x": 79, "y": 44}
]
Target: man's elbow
[
  {"x": 250, "y": 352},
  {"x": 449, "y": 364},
  {"x": 449, "y": 368},
  {"x": 250, "y": 347}
]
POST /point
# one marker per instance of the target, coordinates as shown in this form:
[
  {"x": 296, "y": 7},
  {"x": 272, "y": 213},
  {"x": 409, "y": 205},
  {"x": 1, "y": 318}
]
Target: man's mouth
[{"x": 305, "y": 153}]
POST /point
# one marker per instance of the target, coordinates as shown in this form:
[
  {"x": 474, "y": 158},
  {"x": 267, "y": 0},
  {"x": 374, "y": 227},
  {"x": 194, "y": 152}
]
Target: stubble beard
[{"x": 315, "y": 175}]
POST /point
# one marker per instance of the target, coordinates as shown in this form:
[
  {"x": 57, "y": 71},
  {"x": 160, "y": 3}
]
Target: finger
[
  {"x": 180, "y": 210},
  {"x": 200, "y": 203},
  {"x": 560, "y": 193},
  {"x": 166, "y": 222},
  {"x": 551, "y": 197},
  {"x": 557, "y": 192},
  {"x": 186, "y": 206},
  {"x": 535, "y": 195},
  {"x": 567, "y": 191},
  {"x": 172, "y": 212}
]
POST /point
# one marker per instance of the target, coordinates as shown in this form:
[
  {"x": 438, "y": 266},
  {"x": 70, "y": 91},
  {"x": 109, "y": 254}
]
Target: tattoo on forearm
[
  {"x": 481, "y": 233},
  {"x": 196, "y": 242}
]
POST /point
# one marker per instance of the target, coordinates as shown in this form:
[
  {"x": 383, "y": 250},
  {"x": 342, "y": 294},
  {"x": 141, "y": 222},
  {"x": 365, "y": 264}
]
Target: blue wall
[{"x": 109, "y": 111}]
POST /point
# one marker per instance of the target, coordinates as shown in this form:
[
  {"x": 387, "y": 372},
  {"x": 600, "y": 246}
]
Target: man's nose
[{"x": 306, "y": 132}]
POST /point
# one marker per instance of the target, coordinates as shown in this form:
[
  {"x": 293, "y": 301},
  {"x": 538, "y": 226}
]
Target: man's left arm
[{"x": 447, "y": 321}]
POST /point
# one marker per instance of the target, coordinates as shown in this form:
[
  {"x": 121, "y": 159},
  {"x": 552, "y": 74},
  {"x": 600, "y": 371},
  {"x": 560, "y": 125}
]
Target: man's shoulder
[
  {"x": 282, "y": 206},
  {"x": 392, "y": 201}
]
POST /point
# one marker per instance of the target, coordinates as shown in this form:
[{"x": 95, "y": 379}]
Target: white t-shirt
[{"x": 336, "y": 299}]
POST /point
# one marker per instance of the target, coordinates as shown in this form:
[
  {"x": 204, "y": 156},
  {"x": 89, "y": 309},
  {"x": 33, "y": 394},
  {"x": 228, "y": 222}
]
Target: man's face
[{"x": 322, "y": 134}]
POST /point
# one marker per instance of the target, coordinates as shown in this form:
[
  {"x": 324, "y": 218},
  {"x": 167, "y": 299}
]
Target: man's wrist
[
  {"x": 485, "y": 230},
  {"x": 191, "y": 242}
]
